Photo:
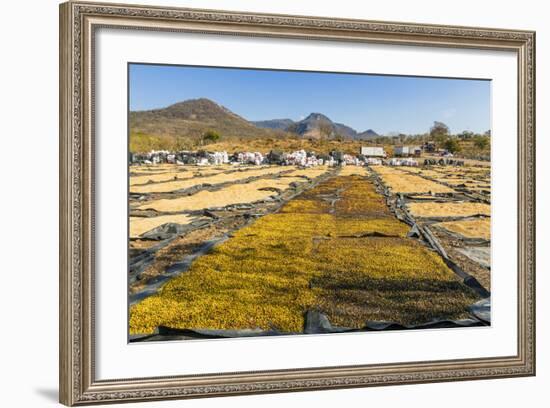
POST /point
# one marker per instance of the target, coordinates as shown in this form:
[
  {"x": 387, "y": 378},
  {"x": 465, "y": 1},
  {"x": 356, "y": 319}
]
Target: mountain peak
[
  {"x": 280, "y": 124},
  {"x": 316, "y": 116},
  {"x": 189, "y": 119},
  {"x": 200, "y": 109},
  {"x": 367, "y": 134},
  {"x": 199, "y": 103}
]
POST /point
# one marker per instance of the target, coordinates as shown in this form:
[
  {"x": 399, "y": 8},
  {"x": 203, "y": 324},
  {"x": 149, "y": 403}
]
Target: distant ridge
[
  {"x": 184, "y": 123},
  {"x": 281, "y": 124},
  {"x": 317, "y": 126},
  {"x": 191, "y": 118},
  {"x": 367, "y": 134}
]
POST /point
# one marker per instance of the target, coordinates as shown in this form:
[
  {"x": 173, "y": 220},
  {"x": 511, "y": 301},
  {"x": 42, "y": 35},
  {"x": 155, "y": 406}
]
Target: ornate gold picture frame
[{"x": 78, "y": 24}]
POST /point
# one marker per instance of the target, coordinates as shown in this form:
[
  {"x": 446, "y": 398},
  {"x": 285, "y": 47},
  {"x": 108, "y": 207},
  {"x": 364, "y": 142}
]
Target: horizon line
[{"x": 287, "y": 118}]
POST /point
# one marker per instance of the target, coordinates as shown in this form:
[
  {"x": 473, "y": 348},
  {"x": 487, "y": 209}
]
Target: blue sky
[{"x": 382, "y": 103}]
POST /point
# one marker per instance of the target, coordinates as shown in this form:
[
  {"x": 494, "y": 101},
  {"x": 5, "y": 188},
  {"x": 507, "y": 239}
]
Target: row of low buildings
[
  {"x": 205, "y": 158},
  {"x": 398, "y": 151},
  {"x": 370, "y": 154},
  {"x": 367, "y": 156},
  {"x": 407, "y": 151}
]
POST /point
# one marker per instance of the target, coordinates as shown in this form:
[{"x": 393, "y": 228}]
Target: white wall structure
[
  {"x": 370, "y": 151},
  {"x": 401, "y": 150},
  {"x": 29, "y": 106}
]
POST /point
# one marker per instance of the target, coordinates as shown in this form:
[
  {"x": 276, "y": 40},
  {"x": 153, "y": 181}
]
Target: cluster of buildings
[
  {"x": 249, "y": 158},
  {"x": 368, "y": 155},
  {"x": 407, "y": 151}
]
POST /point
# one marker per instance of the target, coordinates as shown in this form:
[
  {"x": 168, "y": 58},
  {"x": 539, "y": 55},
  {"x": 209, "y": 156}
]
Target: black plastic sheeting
[
  {"x": 170, "y": 230},
  {"x": 424, "y": 232},
  {"x": 139, "y": 260},
  {"x": 468, "y": 280},
  {"x": 172, "y": 271},
  {"x": 482, "y": 310},
  {"x": 315, "y": 323},
  {"x": 318, "y": 323}
]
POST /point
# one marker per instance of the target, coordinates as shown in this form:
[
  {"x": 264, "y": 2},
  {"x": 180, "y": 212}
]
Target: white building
[
  {"x": 401, "y": 151},
  {"x": 370, "y": 151},
  {"x": 404, "y": 151}
]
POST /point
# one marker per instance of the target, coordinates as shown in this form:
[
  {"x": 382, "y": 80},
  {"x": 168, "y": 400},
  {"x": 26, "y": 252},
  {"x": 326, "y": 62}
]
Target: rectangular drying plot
[
  {"x": 140, "y": 225},
  {"x": 230, "y": 195},
  {"x": 353, "y": 170},
  {"x": 181, "y": 173},
  {"x": 475, "y": 228},
  {"x": 311, "y": 172},
  {"x": 158, "y": 177},
  {"x": 448, "y": 209},
  {"x": 421, "y": 171},
  {"x": 214, "y": 179},
  {"x": 402, "y": 182},
  {"x": 310, "y": 256}
]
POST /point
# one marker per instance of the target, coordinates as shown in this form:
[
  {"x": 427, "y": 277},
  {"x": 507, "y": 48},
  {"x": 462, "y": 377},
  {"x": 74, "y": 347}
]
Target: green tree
[
  {"x": 210, "y": 136},
  {"x": 439, "y": 132},
  {"x": 452, "y": 145},
  {"x": 466, "y": 135},
  {"x": 481, "y": 142}
]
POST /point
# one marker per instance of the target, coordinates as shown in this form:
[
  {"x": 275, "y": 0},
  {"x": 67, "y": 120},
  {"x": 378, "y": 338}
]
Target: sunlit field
[{"x": 335, "y": 248}]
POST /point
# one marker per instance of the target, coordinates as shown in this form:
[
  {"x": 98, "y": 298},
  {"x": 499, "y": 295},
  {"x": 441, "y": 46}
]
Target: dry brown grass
[
  {"x": 233, "y": 194},
  {"x": 139, "y": 225},
  {"x": 265, "y": 145},
  {"x": 477, "y": 228},
  {"x": 448, "y": 209}
]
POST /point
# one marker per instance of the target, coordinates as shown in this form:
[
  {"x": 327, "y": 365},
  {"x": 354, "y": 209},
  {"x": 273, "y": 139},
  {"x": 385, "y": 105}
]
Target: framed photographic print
[{"x": 260, "y": 203}]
